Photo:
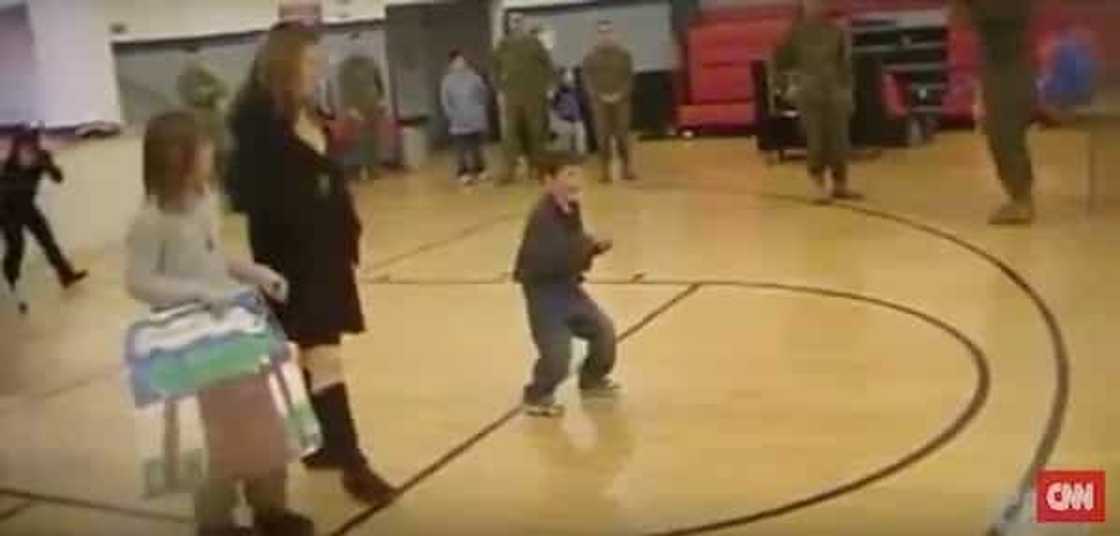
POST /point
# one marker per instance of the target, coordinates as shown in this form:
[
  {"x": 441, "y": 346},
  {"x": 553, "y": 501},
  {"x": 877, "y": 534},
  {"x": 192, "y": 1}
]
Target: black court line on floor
[
  {"x": 976, "y": 402},
  {"x": 1043, "y": 451},
  {"x": 1059, "y": 400},
  {"x": 16, "y": 510},
  {"x": 501, "y": 421},
  {"x": 462, "y": 234},
  {"x": 60, "y": 500}
]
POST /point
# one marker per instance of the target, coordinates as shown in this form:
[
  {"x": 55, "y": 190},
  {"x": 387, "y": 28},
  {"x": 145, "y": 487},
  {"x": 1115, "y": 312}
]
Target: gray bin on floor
[{"x": 414, "y": 144}]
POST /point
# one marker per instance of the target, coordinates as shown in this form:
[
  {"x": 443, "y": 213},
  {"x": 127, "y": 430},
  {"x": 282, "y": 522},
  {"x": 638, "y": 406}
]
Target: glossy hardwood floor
[{"x": 891, "y": 367}]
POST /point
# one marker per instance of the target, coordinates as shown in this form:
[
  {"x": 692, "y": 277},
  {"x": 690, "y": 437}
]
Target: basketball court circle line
[
  {"x": 976, "y": 402},
  {"x": 1042, "y": 454}
]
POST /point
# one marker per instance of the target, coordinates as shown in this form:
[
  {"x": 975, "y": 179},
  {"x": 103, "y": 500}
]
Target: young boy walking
[{"x": 555, "y": 252}]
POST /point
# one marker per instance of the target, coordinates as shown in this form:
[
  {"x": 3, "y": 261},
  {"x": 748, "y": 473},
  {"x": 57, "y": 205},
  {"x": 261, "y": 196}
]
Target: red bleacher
[{"x": 721, "y": 45}]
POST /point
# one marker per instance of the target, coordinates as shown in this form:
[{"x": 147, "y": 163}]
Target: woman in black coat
[{"x": 302, "y": 223}]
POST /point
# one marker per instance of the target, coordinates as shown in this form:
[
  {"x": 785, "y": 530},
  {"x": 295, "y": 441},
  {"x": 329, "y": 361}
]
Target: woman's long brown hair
[{"x": 276, "y": 68}]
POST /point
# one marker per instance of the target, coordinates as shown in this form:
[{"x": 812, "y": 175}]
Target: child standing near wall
[
  {"x": 174, "y": 257},
  {"x": 464, "y": 97},
  {"x": 555, "y": 252},
  {"x": 568, "y": 121}
]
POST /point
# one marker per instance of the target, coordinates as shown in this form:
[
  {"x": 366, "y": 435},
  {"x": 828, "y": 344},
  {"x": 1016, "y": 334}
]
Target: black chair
[{"x": 777, "y": 123}]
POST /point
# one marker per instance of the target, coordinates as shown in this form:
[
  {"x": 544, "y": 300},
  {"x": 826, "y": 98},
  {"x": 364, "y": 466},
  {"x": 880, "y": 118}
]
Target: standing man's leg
[
  {"x": 1009, "y": 105},
  {"x": 590, "y": 323},
  {"x": 601, "y": 117},
  {"x": 513, "y": 140},
  {"x": 839, "y": 151},
  {"x": 537, "y": 132},
  {"x": 816, "y": 142},
  {"x": 547, "y": 308},
  {"x": 622, "y": 114},
  {"x": 373, "y": 156}
]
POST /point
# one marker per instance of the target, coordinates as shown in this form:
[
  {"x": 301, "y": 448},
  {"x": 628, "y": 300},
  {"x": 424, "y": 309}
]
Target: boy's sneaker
[
  {"x": 544, "y": 408},
  {"x": 603, "y": 388}
]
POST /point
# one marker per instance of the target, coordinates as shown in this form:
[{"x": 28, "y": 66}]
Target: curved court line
[
  {"x": 941, "y": 439},
  {"x": 506, "y": 417},
  {"x": 16, "y": 510},
  {"x": 1043, "y": 452},
  {"x": 1059, "y": 401},
  {"x": 35, "y": 499}
]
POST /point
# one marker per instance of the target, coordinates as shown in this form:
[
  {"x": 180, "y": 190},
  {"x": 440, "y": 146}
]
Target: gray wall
[
  {"x": 17, "y": 66},
  {"x": 645, "y": 28},
  {"x": 147, "y": 72},
  {"x": 420, "y": 38}
]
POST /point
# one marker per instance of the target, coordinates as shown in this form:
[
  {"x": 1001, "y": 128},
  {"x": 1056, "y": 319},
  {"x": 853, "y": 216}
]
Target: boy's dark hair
[
  {"x": 550, "y": 163},
  {"x": 454, "y": 55}
]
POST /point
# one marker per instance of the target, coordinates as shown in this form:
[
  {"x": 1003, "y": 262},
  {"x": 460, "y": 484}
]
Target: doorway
[{"x": 419, "y": 38}]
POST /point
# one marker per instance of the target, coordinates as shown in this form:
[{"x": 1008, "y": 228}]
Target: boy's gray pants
[{"x": 557, "y": 313}]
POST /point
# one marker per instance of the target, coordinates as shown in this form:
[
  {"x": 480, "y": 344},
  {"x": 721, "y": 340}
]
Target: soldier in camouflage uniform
[
  {"x": 202, "y": 93},
  {"x": 1009, "y": 98},
  {"x": 361, "y": 90},
  {"x": 608, "y": 72},
  {"x": 818, "y": 54},
  {"x": 524, "y": 75}
]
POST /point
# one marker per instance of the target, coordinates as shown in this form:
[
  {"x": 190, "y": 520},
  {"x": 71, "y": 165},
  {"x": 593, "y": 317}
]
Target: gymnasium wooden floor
[{"x": 894, "y": 367}]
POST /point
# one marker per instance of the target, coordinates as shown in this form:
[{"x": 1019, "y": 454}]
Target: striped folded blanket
[{"x": 215, "y": 397}]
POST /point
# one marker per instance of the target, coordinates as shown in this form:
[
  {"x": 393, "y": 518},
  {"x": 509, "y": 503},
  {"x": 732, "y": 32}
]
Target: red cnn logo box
[{"x": 1069, "y": 497}]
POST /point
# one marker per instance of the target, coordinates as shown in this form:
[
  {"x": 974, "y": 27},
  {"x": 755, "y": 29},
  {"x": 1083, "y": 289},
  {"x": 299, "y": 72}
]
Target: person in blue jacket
[
  {"x": 464, "y": 97},
  {"x": 1072, "y": 77}
]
